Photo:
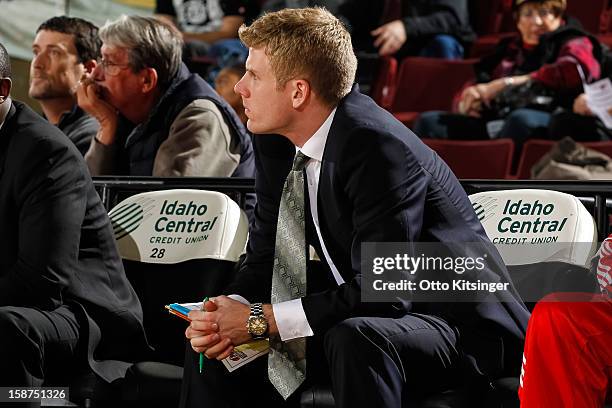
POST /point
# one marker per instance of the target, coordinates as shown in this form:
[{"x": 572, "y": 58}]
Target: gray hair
[{"x": 150, "y": 44}]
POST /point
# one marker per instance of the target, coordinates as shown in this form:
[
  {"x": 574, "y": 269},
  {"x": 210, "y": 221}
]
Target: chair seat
[
  {"x": 407, "y": 118},
  {"x": 152, "y": 384},
  {"x": 322, "y": 397}
]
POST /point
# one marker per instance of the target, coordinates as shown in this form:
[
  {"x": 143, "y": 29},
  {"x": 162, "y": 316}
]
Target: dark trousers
[
  {"x": 36, "y": 345},
  {"x": 371, "y": 361},
  {"x": 578, "y": 127},
  {"x": 34, "y": 342}
]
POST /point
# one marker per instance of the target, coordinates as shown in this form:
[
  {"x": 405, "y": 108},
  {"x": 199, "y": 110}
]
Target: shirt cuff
[
  {"x": 291, "y": 320},
  {"x": 239, "y": 298}
]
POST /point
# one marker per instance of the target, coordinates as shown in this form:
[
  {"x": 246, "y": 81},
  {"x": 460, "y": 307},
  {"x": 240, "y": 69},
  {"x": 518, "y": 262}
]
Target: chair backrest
[
  {"x": 178, "y": 225},
  {"x": 475, "y": 159},
  {"x": 546, "y": 238},
  {"x": 177, "y": 246},
  {"x": 535, "y": 149},
  {"x": 383, "y": 86},
  {"x": 486, "y": 15},
  {"x": 593, "y": 17},
  {"x": 425, "y": 84}
]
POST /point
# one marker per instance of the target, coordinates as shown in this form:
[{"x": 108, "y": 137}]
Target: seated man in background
[
  {"x": 64, "y": 49},
  {"x": 208, "y": 27},
  {"x": 224, "y": 85},
  {"x": 427, "y": 28},
  {"x": 65, "y": 301},
  {"x": 156, "y": 118},
  {"x": 345, "y": 173}
]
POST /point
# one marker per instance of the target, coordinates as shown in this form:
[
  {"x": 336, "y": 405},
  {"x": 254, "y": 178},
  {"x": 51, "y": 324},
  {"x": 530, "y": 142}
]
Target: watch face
[{"x": 257, "y": 325}]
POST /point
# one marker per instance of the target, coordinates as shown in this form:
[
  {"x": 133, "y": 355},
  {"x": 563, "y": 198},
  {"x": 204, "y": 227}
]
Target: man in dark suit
[
  {"x": 368, "y": 179},
  {"x": 65, "y": 301}
]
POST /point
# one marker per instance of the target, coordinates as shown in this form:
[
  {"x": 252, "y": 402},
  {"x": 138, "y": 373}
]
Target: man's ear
[
  {"x": 301, "y": 93},
  {"x": 149, "y": 80},
  {"x": 90, "y": 65},
  {"x": 5, "y": 88}
]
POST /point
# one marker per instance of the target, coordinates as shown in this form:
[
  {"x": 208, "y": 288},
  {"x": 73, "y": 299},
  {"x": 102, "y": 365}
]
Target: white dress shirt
[{"x": 290, "y": 317}]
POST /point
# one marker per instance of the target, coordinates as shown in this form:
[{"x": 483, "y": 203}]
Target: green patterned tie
[{"x": 287, "y": 360}]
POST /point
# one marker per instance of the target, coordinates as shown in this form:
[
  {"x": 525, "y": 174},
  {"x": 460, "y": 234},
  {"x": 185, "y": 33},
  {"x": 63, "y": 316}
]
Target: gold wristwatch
[{"x": 257, "y": 325}]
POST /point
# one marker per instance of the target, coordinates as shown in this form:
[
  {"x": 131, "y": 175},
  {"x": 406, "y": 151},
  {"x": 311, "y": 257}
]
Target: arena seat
[
  {"x": 492, "y": 20},
  {"x": 177, "y": 246},
  {"x": 595, "y": 17},
  {"x": 475, "y": 159},
  {"x": 383, "y": 86},
  {"x": 539, "y": 262},
  {"x": 425, "y": 84},
  {"x": 535, "y": 149}
]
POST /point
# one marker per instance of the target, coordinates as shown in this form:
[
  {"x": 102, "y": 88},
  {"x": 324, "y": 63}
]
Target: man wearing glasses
[
  {"x": 156, "y": 118},
  {"x": 65, "y": 48}
]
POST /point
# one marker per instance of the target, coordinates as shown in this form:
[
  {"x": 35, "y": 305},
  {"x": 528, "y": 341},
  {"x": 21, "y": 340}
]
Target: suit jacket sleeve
[
  {"x": 50, "y": 198},
  {"x": 385, "y": 189}
]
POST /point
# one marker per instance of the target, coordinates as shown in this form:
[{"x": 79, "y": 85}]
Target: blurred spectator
[
  {"x": 208, "y": 27},
  {"x": 275, "y": 5},
  {"x": 580, "y": 124},
  {"x": 64, "y": 49},
  {"x": 523, "y": 81},
  {"x": 224, "y": 85},
  {"x": 427, "y": 28},
  {"x": 156, "y": 118}
]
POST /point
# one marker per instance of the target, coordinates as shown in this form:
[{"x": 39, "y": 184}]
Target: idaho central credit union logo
[
  {"x": 485, "y": 207},
  {"x": 126, "y": 218}
]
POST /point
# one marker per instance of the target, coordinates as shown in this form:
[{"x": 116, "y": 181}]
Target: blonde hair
[{"x": 309, "y": 42}]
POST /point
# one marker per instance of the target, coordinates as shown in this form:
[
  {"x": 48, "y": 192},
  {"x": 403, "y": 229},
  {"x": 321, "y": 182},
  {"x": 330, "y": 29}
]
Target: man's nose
[
  {"x": 38, "y": 60},
  {"x": 98, "y": 73},
  {"x": 240, "y": 89}
]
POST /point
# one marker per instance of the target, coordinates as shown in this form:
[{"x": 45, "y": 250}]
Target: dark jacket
[
  {"x": 379, "y": 183},
  {"x": 552, "y": 64},
  {"x": 518, "y": 60},
  {"x": 57, "y": 245},
  {"x": 423, "y": 19},
  {"x": 79, "y": 127}
]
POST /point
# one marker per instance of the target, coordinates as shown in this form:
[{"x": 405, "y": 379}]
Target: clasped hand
[
  {"x": 475, "y": 97},
  {"x": 90, "y": 98},
  {"x": 219, "y": 328}
]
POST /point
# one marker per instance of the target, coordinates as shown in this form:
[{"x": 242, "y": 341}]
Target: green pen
[{"x": 202, "y": 354}]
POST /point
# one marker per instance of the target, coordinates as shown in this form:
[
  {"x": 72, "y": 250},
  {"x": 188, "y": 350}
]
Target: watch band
[{"x": 256, "y": 309}]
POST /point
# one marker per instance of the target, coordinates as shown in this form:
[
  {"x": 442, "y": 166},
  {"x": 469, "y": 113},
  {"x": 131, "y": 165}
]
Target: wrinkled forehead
[
  {"x": 114, "y": 52},
  {"x": 47, "y": 38}
]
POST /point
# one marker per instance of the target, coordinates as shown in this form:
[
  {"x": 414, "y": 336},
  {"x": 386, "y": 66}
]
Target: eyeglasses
[
  {"x": 111, "y": 68},
  {"x": 541, "y": 12}
]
